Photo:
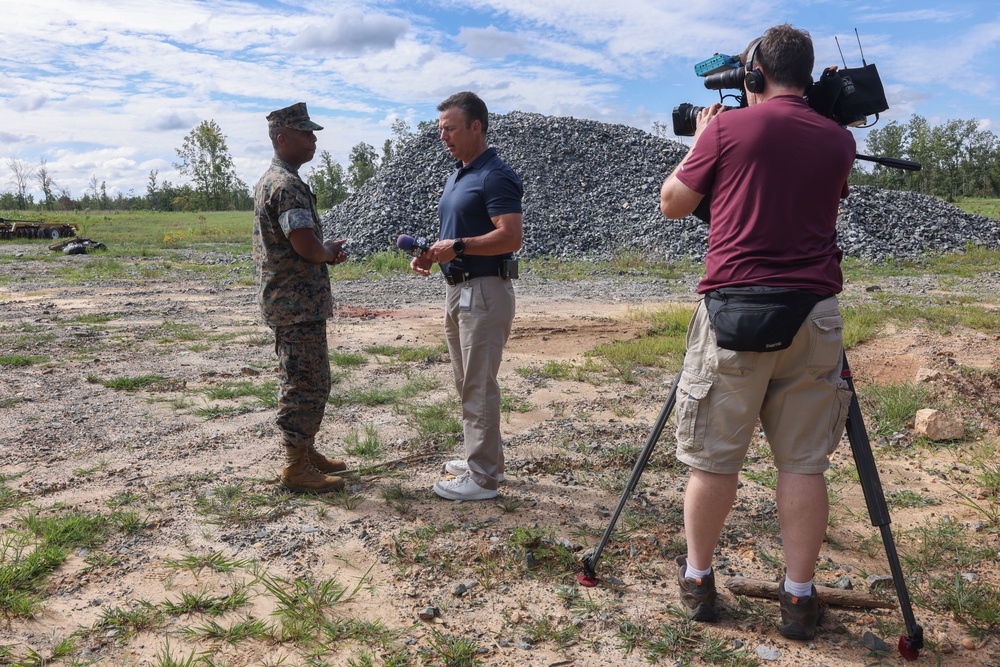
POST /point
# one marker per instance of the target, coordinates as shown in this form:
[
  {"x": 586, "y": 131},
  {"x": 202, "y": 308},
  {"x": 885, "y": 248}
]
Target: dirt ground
[{"x": 169, "y": 451}]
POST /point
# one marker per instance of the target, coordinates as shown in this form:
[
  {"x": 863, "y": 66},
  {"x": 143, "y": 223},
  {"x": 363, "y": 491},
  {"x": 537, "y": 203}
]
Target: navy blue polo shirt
[{"x": 474, "y": 195}]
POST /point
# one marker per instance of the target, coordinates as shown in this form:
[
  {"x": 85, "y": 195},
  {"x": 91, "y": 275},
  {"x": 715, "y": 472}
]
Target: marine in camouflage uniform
[{"x": 293, "y": 288}]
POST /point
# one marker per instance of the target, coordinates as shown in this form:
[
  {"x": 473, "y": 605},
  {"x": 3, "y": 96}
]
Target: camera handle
[
  {"x": 894, "y": 162},
  {"x": 910, "y": 644}
]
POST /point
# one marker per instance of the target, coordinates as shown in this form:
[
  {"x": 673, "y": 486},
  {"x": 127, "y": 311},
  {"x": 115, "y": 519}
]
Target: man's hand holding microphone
[{"x": 425, "y": 256}]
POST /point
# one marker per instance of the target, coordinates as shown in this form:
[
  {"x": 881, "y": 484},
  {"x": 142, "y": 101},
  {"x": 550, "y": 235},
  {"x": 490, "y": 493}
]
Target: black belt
[{"x": 462, "y": 277}]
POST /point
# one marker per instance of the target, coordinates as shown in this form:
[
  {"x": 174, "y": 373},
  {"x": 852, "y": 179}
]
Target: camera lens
[{"x": 685, "y": 117}]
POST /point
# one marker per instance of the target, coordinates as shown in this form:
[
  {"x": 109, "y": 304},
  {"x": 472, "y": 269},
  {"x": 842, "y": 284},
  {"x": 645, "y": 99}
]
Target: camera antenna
[
  {"x": 841, "y": 51},
  {"x": 860, "y": 49}
]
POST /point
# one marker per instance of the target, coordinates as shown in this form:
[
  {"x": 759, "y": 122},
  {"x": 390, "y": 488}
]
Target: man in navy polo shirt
[{"x": 480, "y": 214}]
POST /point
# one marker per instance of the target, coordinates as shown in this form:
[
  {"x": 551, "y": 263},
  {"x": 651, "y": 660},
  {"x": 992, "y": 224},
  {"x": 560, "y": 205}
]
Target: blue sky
[{"x": 111, "y": 88}]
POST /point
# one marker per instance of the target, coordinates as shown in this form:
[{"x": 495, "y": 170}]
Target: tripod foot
[
  {"x": 906, "y": 649},
  {"x": 587, "y": 580}
]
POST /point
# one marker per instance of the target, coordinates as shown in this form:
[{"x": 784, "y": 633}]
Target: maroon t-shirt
[{"x": 776, "y": 172}]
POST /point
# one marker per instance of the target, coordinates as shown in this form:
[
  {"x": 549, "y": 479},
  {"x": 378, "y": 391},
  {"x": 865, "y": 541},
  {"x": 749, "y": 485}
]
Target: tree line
[
  {"x": 957, "y": 158},
  {"x": 204, "y": 157}
]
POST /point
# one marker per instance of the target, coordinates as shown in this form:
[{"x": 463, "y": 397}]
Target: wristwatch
[{"x": 458, "y": 247}]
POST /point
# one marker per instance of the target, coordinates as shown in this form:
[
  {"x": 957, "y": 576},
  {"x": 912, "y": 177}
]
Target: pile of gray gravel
[{"x": 591, "y": 189}]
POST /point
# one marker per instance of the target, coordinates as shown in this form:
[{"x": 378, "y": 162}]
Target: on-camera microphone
[{"x": 408, "y": 244}]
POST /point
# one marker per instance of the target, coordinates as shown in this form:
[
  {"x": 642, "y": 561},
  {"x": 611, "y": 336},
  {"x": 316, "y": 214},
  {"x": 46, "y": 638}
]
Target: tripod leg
[
  {"x": 909, "y": 645},
  {"x": 589, "y": 576}
]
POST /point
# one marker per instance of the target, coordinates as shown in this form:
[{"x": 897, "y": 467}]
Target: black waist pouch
[{"x": 758, "y": 319}]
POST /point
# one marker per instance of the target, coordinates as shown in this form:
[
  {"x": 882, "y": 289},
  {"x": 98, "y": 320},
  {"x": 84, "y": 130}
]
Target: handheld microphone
[{"x": 408, "y": 244}]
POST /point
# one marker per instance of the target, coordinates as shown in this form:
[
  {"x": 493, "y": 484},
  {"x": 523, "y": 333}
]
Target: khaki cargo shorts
[{"x": 797, "y": 393}]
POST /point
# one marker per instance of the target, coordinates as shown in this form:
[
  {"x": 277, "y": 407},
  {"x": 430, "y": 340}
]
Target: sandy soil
[{"x": 67, "y": 442}]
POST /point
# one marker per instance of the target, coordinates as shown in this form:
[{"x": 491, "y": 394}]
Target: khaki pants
[
  {"x": 476, "y": 338},
  {"x": 797, "y": 394}
]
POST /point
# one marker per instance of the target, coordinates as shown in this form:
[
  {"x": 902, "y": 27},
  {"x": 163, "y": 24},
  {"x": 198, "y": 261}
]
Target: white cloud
[
  {"x": 24, "y": 103},
  {"x": 491, "y": 42},
  {"x": 353, "y": 33},
  {"x": 166, "y": 120}
]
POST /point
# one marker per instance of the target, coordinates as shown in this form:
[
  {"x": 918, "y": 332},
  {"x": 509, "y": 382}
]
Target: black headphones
[{"x": 753, "y": 80}]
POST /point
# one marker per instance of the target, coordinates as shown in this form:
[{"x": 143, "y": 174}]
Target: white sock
[
  {"x": 798, "y": 590},
  {"x": 692, "y": 573}
]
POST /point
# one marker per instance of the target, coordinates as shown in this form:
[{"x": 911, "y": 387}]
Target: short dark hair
[
  {"x": 471, "y": 106},
  {"x": 786, "y": 54}
]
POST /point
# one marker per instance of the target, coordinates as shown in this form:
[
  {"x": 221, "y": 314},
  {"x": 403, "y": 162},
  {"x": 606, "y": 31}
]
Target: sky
[{"x": 107, "y": 90}]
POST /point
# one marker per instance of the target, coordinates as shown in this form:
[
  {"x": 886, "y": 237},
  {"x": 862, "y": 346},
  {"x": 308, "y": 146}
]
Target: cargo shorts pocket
[
  {"x": 692, "y": 412},
  {"x": 826, "y": 343},
  {"x": 843, "y": 405}
]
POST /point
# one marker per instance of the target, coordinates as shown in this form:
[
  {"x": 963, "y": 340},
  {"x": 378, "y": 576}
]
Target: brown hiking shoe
[
  {"x": 324, "y": 464},
  {"x": 302, "y": 476},
  {"x": 697, "y": 595},
  {"x": 799, "y": 615}
]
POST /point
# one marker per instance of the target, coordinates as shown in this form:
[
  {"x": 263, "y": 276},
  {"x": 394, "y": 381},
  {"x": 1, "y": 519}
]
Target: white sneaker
[
  {"x": 459, "y": 467},
  {"x": 463, "y": 488}
]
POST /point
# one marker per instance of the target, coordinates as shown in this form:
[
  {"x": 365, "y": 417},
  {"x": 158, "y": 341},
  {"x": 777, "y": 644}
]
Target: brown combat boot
[
  {"x": 324, "y": 464},
  {"x": 301, "y": 476}
]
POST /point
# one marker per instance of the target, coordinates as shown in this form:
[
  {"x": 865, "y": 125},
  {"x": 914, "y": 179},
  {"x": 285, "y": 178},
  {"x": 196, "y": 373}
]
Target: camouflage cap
[{"x": 295, "y": 117}]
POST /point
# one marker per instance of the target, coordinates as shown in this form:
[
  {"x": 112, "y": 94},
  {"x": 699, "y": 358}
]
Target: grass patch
[
  {"x": 22, "y": 359},
  {"x": 435, "y": 421},
  {"x": 974, "y": 604},
  {"x": 266, "y": 393},
  {"x": 29, "y": 556},
  {"x": 215, "y": 562},
  {"x": 661, "y": 345},
  {"x": 369, "y": 447},
  {"x": 233, "y": 505},
  {"x": 424, "y": 354},
  {"x": 892, "y": 406},
  {"x": 350, "y": 359},
  {"x": 127, "y": 383}
]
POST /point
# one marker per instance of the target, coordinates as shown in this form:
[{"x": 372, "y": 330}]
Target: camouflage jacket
[{"x": 289, "y": 289}]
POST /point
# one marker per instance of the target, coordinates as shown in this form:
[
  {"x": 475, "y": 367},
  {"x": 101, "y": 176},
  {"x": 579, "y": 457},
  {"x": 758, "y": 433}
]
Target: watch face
[{"x": 458, "y": 247}]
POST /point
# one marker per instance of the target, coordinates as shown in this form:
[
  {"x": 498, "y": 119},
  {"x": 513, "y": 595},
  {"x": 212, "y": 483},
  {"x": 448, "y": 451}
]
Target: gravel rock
[
  {"x": 592, "y": 189},
  {"x": 875, "y": 643}
]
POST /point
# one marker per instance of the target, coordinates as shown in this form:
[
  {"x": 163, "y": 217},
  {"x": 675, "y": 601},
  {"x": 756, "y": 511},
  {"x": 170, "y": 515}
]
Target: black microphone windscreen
[{"x": 405, "y": 242}]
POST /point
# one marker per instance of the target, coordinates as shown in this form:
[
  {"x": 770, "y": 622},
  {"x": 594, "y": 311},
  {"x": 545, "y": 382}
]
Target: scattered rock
[
  {"x": 935, "y": 425},
  {"x": 879, "y": 582},
  {"x": 428, "y": 613},
  {"x": 874, "y": 643},
  {"x": 928, "y": 375},
  {"x": 591, "y": 189},
  {"x": 768, "y": 653}
]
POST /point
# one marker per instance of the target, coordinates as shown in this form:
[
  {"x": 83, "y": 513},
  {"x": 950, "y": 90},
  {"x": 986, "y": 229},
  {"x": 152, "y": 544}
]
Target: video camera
[{"x": 848, "y": 95}]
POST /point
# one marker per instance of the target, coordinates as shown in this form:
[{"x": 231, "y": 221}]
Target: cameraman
[{"x": 775, "y": 172}]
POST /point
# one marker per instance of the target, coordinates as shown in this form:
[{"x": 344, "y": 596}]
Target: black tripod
[{"x": 909, "y": 644}]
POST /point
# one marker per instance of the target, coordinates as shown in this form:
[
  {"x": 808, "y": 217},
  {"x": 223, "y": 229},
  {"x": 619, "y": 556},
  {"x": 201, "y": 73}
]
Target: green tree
[
  {"x": 981, "y": 172},
  {"x": 364, "y": 164},
  {"x": 206, "y": 159},
  {"x": 327, "y": 181},
  {"x": 401, "y": 131},
  {"x": 888, "y": 141},
  {"x": 45, "y": 181},
  {"x": 919, "y": 147}
]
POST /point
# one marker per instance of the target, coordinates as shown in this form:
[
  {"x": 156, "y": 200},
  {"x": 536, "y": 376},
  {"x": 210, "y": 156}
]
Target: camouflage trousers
[{"x": 304, "y": 378}]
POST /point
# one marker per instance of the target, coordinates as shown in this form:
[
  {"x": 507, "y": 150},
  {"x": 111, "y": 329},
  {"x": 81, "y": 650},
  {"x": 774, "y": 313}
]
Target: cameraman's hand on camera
[{"x": 705, "y": 117}]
